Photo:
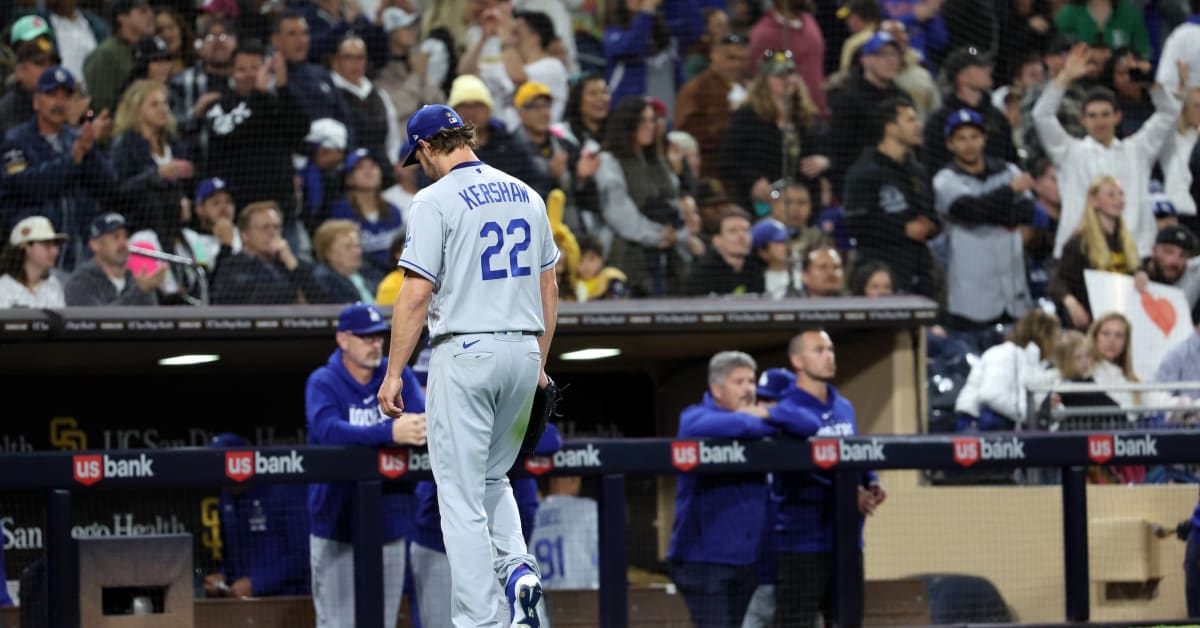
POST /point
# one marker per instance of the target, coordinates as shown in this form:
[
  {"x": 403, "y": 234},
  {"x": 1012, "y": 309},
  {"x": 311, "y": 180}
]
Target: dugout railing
[{"x": 61, "y": 474}]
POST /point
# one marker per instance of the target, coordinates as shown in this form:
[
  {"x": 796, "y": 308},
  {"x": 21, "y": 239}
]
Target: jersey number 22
[{"x": 515, "y": 268}]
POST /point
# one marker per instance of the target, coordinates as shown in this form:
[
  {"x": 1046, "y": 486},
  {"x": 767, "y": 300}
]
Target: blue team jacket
[
  {"x": 343, "y": 412},
  {"x": 804, "y": 501},
  {"x": 428, "y": 533},
  {"x": 719, "y": 519},
  {"x": 265, "y": 536}
]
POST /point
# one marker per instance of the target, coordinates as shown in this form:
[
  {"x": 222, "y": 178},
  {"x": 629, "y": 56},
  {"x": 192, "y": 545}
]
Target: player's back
[
  {"x": 565, "y": 542},
  {"x": 494, "y": 242}
]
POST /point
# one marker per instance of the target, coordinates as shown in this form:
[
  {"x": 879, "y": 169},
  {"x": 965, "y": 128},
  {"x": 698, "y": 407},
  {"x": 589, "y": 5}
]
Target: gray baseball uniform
[{"x": 483, "y": 238}]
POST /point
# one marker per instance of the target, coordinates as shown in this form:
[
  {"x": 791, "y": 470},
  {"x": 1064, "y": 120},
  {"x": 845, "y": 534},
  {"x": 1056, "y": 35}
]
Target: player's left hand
[{"x": 389, "y": 396}]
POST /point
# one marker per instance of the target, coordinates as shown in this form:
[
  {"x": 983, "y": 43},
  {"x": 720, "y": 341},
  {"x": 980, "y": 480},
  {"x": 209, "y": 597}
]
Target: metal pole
[
  {"x": 1075, "y": 542},
  {"x": 614, "y": 586},
  {"x": 368, "y": 554},
  {"x": 62, "y": 599},
  {"x": 847, "y": 554}
]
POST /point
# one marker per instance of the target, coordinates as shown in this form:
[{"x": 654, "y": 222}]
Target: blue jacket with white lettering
[
  {"x": 804, "y": 500},
  {"x": 428, "y": 527},
  {"x": 265, "y": 537},
  {"x": 342, "y": 411},
  {"x": 719, "y": 518}
]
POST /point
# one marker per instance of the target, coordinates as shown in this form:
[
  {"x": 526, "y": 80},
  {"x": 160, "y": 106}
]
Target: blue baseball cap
[
  {"x": 773, "y": 383},
  {"x": 1163, "y": 207},
  {"x": 766, "y": 232},
  {"x": 55, "y": 77},
  {"x": 963, "y": 117},
  {"x": 424, "y": 124},
  {"x": 208, "y": 187},
  {"x": 362, "y": 319},
  {"x": 353, "y": 158},
  {"x": 106, "y": 223},
  {"x": 877, "y": 42}
]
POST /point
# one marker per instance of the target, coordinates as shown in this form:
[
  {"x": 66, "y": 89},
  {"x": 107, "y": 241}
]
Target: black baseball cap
[
  {"x": 1178, "y": 235},
  {"x": 963, "y": 58}
]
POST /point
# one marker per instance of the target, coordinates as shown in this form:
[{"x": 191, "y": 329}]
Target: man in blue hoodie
[
  {"x": 342, "y": 410},
  {"x": 719, "y": 519},
  {"x": 264, "y": 538},
  {"x": 804, "y": 501}
]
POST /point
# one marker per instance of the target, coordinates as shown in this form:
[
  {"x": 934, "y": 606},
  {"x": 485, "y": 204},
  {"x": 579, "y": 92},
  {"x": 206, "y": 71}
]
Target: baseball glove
[{"x": 544, "y": 402}]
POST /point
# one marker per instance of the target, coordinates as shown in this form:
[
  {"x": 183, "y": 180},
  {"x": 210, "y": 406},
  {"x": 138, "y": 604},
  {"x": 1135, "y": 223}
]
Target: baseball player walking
[{"x": 479, "y": 262}]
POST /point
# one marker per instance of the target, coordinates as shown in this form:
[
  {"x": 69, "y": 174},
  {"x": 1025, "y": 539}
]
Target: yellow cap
[
  {"x": 469, "y": 88},
  {"x": 530, "y": 90}
]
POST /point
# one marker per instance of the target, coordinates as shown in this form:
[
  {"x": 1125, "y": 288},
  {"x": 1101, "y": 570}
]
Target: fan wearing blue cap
[
  {"x": 264, "y": 537},
  {"x": 769, "y": 248},
  {"x": 380, "y": 222},
  {"x": 215, "y": 230},
  {"x": 853, "y": 107},
  {"x": 983, "y": 200},
  {"x": 340, "y": 404},
  {"x": 55, "y": 170}
]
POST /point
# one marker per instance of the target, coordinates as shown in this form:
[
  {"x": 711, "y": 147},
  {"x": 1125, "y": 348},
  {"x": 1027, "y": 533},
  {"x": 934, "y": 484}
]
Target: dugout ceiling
[{"x": 651, "y": 334}]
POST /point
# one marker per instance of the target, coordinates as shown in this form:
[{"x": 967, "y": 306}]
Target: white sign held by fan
[{"x": 1160, "y": 316}]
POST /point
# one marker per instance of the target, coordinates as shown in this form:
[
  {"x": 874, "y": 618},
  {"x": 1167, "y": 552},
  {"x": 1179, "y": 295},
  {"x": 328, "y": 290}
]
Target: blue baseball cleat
[{"x": 524, "y": 593}]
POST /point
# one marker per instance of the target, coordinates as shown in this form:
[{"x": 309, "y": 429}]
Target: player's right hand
[{"x": 389, "y": 396}]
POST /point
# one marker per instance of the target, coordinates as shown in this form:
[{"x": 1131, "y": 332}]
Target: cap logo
[
  {"x": 37, "y": 21},
  {"x": 374, "y": 314},
  {"x": 60, "y": 76},
  {"x": 25, "y": 231},
  {"x": 416, "y": 137}
]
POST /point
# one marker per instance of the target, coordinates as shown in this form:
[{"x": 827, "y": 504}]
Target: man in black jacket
[
  {"x": 889, "y": 202},
  {"x": 727, "y": 267},
  {"x": 254, "y": 129},
  {"x": 265, "y": 272},
  {"x": 970, "y": 74},
  {"x": 854, "y": 104}
]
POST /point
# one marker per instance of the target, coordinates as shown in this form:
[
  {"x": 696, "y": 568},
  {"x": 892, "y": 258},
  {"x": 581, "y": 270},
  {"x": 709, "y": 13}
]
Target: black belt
[{"x": 437, "y": 340}]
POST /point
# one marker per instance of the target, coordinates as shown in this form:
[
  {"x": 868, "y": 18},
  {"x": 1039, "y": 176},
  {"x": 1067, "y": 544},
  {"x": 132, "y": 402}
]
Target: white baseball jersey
[
  {"x": 565, "y": 541},
  {"x": 483, "y": 238}
]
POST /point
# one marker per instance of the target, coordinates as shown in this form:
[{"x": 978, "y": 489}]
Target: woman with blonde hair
[
  {"x": 153, "y": 178},
  {"x": 771, "y": 137},
  {"x": 1101, "y": 242},
  {"x": 994, "y": 396},
  {"x": 337, "y": 246}
]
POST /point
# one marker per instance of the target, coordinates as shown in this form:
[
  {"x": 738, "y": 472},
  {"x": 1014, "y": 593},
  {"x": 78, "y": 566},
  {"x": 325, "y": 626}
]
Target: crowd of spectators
[{"x": 982, "y": 157}]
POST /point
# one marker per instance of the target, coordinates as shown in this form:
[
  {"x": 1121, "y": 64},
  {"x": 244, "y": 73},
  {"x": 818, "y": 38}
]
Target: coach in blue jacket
[
  {"x": 264, "y": 538},
  {"x": 342, "y": 410},
  {"x": 719, "y": 519},
  {"x": 804, "y": 501}
]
